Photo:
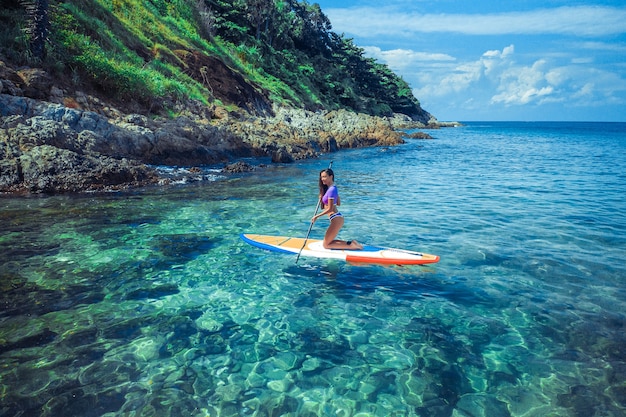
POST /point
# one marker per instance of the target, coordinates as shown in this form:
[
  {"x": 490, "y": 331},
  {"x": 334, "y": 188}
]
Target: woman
[{"x": 330, "y": 200}]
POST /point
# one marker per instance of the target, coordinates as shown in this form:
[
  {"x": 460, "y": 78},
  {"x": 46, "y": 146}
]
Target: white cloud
[
  {"x": 506, "y": 52},
  {"x": 495, "y": 78},
  {"x": 601, "y": 46},
  {"x": 490, "y": 54},
  {"x": 557, "y": 76},
  {"x": 437, "y": 83},
  {"x": 408, "y": 54},
  {"x": 585, "y": 92},
  {"x": 499, "y": 79},
  {"x": 575, "y": 20},
  {"x": 523, "y": 84},
  {"x": 493, "y": 59},
  {"x": 522, "y": 94},
  {"x": 400, "y": 59},
  {"x": 582, "y": 60}
]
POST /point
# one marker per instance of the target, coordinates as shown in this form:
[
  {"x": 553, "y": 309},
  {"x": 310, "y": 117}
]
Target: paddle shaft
[{"x": 319, "y": 201}]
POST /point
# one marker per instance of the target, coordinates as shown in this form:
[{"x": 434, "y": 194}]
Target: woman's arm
[{"x": 328, "y": 208}]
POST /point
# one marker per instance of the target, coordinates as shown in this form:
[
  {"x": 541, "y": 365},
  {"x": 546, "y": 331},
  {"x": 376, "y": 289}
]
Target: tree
[
  {"x": 230, "y": 20},
  {"x": 312, "y": 27},
  {"x": 258, "y": 13},
  {"x": 207, "y": 18},
  {"x": 38, "y": 26}
]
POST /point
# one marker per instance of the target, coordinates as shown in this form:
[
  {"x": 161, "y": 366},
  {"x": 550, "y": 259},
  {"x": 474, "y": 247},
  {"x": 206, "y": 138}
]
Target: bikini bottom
[{"x": 332, "y": 216}]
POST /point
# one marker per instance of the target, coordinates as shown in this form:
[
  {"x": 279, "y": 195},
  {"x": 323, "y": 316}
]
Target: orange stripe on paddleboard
[{"x": 391, "y": 261}]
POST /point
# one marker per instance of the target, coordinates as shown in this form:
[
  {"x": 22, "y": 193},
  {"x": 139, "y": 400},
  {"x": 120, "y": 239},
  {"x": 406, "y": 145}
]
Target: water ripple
[{"x": 148, "y": 303}]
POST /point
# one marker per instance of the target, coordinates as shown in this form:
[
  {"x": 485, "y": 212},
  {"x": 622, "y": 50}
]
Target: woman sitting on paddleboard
[{"x": 330, "y": 200}]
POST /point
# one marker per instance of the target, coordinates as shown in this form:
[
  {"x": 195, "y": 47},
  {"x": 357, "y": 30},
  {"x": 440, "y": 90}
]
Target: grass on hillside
[
  {"x": 126, "y": 48},
  {"x": 135, "y": 50}
]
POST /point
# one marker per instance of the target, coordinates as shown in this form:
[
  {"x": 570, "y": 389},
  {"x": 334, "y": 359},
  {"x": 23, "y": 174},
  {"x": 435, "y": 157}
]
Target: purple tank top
[{"x": 331, "y": 193}]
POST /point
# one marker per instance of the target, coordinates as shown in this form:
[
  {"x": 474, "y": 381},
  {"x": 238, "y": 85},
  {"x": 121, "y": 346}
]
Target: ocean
[{"x": 148, "y": 303}]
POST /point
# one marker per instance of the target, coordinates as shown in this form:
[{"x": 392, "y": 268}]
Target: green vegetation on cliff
[{"x": 158, "y": 52}]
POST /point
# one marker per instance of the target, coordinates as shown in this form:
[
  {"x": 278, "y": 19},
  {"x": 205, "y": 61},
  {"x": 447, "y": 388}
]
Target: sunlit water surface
[{"x": 149, "y": 304}]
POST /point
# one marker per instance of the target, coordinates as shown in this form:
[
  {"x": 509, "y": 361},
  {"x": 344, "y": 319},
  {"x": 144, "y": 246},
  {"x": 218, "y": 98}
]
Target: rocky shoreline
[{"x": 60, "y": 144}]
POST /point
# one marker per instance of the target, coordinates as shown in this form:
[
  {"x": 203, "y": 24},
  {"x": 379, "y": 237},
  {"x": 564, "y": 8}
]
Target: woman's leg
[
  {"x": 331, "y": 233},
  {"x": 333, "y": 230}
]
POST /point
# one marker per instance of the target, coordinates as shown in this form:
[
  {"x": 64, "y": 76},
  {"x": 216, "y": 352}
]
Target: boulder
[
  {"x": 47, "y": 169},
  {"x": 36, "y": 83},
  {"x": 418, "y": 135},
  {"x": 238, "y": 167}
]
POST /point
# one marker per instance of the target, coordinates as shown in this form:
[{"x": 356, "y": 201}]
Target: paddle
[{"x": 319, "y": 200}]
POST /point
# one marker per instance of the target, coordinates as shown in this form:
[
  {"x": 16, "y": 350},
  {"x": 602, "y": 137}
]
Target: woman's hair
[{"x": 323, "y": 187}]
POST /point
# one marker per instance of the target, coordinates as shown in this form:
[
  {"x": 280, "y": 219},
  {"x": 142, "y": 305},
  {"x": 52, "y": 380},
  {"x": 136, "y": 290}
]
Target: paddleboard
[{"x": 315, "y": 248}]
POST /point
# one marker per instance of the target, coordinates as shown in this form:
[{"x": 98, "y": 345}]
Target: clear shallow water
[{"x": 149, "y": 304}]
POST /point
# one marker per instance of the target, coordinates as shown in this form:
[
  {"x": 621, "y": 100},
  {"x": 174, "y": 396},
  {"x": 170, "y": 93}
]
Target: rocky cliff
[{"x": 54, "y": 140}]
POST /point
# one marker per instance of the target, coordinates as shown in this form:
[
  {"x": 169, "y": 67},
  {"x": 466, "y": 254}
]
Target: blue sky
[{"x": 528, "y": 60}]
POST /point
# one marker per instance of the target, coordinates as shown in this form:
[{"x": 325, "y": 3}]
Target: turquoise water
[{"x": 148, "y": 303}]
